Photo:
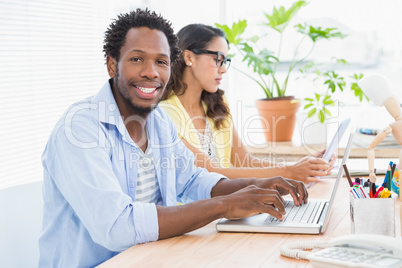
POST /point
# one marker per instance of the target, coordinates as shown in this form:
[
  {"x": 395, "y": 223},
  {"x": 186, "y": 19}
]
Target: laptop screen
[{"x": 340, "y": 175}]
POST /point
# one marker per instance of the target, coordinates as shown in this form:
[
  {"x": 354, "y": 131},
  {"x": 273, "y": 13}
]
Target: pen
[
  {"x": 347, "y": 175},
  {"x": 373, "y": 190},
  {"x": 352, "y": 192},
  {"x": 389, "y": 176},
  {"x": 378, "y": 191},
  {"x": 356, "y": 193},
  {"x": 368, "y": 184},
  {"x": 393, "y": 170},
  {"x": 367, "y": 187},
  {"x": 364, "y": 195},
  {"x": 358, "y": 181}
]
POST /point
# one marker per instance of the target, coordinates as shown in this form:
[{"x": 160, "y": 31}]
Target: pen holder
[{"x": 373, "y": 216}]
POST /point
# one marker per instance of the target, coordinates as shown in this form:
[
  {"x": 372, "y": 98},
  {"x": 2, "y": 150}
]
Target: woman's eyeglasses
[{"x": 220, "y": 58}]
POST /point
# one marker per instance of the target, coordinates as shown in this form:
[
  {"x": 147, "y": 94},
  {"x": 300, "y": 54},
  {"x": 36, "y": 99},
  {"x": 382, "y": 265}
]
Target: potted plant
[{"x": 278, "y": 109}]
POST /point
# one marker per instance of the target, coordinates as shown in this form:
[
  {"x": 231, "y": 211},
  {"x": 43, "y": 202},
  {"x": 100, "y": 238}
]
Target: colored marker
[
  {"x": 393, "y": 170},
  {"x": 362, "y": 190},
  {"x": 373, "y": 190},
  {"x": 378, "y": 192},
  {"x": 389, "y": 176}
]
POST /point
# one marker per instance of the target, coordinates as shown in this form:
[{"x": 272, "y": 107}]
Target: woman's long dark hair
[{"x": 198, "y": 36}]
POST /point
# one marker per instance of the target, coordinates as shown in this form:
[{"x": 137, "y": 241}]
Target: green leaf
[
  {"x": 317, "y": 96},
  {"x": 358, "y": 91},
  {"x": 309, "y": 99},
  {"x": 308, "y": 106},
  {"x": 312, "y": 112},
  {"x": 342, "y": 61},
  {"x": 317, "y": 33},
  {"x": 328, "y": 101},
  {"x": 321, "y": 116},
  {"x": 280, "y": 17},
  {"x": 246, "y": 48},
  {"x": 318, "y": 72},
  {"x": 340, "y": 85},
  {"x": 334, "y": 81},
  {"x": 357, "y": 77},
  {"x": 254, "y": 39},
  {"x": 307, "y": 67},
  {"x": 233, "y": 34},
  {"x": 326, "y": 111},
  {"x": 262, "y": 63},
  {"x": 331, "y": 85}
]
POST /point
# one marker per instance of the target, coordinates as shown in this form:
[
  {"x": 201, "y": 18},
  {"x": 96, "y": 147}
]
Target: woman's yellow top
[{"x": 222, "y": 138}]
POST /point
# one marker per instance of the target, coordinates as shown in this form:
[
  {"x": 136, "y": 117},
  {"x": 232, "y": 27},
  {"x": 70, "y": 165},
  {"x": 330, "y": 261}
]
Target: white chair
[{"x": 21, "y": 210}]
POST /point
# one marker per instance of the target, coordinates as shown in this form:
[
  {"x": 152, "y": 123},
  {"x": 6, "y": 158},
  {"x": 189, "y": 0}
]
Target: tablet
[{"x": 329, "y": 152}]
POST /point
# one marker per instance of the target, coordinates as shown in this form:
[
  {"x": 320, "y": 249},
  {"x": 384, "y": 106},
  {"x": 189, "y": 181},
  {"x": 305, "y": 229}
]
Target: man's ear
[
  {"x": 188, "y": 57},
  {"x": 111, "y": 66}
]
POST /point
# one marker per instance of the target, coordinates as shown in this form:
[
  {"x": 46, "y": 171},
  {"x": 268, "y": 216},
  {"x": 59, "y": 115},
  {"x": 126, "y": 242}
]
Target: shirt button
[{"x": 131, "y": 185}]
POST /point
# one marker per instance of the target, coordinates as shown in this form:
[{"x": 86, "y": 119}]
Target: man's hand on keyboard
[
  {"x": 263, "y": 196},
  {"x": 296, "y": 189}
]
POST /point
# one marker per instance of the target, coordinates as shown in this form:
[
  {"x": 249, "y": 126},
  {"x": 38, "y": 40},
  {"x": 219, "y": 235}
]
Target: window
[{"x": 51, "y": 56}]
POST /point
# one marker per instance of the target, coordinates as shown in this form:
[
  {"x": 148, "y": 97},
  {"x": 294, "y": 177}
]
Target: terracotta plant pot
[{"x": 278, "y": 117}]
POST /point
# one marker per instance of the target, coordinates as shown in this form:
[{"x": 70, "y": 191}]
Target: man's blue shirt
[{"x": 90, "y": 178}]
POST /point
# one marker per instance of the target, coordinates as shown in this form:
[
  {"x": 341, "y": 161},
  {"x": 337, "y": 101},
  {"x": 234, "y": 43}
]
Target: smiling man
[{"x": 114, "y": 167}]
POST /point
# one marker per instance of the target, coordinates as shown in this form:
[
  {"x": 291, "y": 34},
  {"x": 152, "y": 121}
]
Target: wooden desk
[
  {"x": 206, "y": 247},
  {"x": 293, "y": 151}
]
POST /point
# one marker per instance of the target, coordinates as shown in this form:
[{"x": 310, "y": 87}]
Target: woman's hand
[
  {"x": 310, "y": 167},
  {"x": 321, "y": 154}
]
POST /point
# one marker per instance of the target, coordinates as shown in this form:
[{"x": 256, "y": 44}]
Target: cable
[{"x": 296, "y": 250}]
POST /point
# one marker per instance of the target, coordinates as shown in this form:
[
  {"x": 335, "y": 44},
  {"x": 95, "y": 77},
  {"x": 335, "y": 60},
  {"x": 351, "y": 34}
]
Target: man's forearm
[
  {"x": 178, "y": 220},
  {"x": 227, "y": 186}
]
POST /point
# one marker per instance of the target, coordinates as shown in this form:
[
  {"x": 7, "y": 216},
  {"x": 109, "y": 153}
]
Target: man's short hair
[{"x": 115, "y": 36}]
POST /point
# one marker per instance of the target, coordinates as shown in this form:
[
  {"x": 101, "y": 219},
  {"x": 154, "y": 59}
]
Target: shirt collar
[{"x": 107, "y": 111}]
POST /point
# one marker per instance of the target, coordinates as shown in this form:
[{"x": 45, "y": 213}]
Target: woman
[{"x": 201, "y": 115}]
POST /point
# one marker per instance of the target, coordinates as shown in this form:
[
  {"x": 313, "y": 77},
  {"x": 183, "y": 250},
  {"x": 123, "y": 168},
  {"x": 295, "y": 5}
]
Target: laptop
[
  {"x": 310, "y": 218},
  {"x": 336, "y": 139},
  {"x": 330, "y": 150}
]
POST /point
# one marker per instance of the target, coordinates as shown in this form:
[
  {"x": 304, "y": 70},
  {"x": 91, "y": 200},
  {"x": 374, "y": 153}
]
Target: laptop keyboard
[{"x": 304, "y": 214}]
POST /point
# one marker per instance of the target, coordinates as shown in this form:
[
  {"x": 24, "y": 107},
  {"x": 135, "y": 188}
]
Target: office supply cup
[{"x": 373, "y": 216}]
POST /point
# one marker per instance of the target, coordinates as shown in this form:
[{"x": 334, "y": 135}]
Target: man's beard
[{"x": 123, "y": 90}]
